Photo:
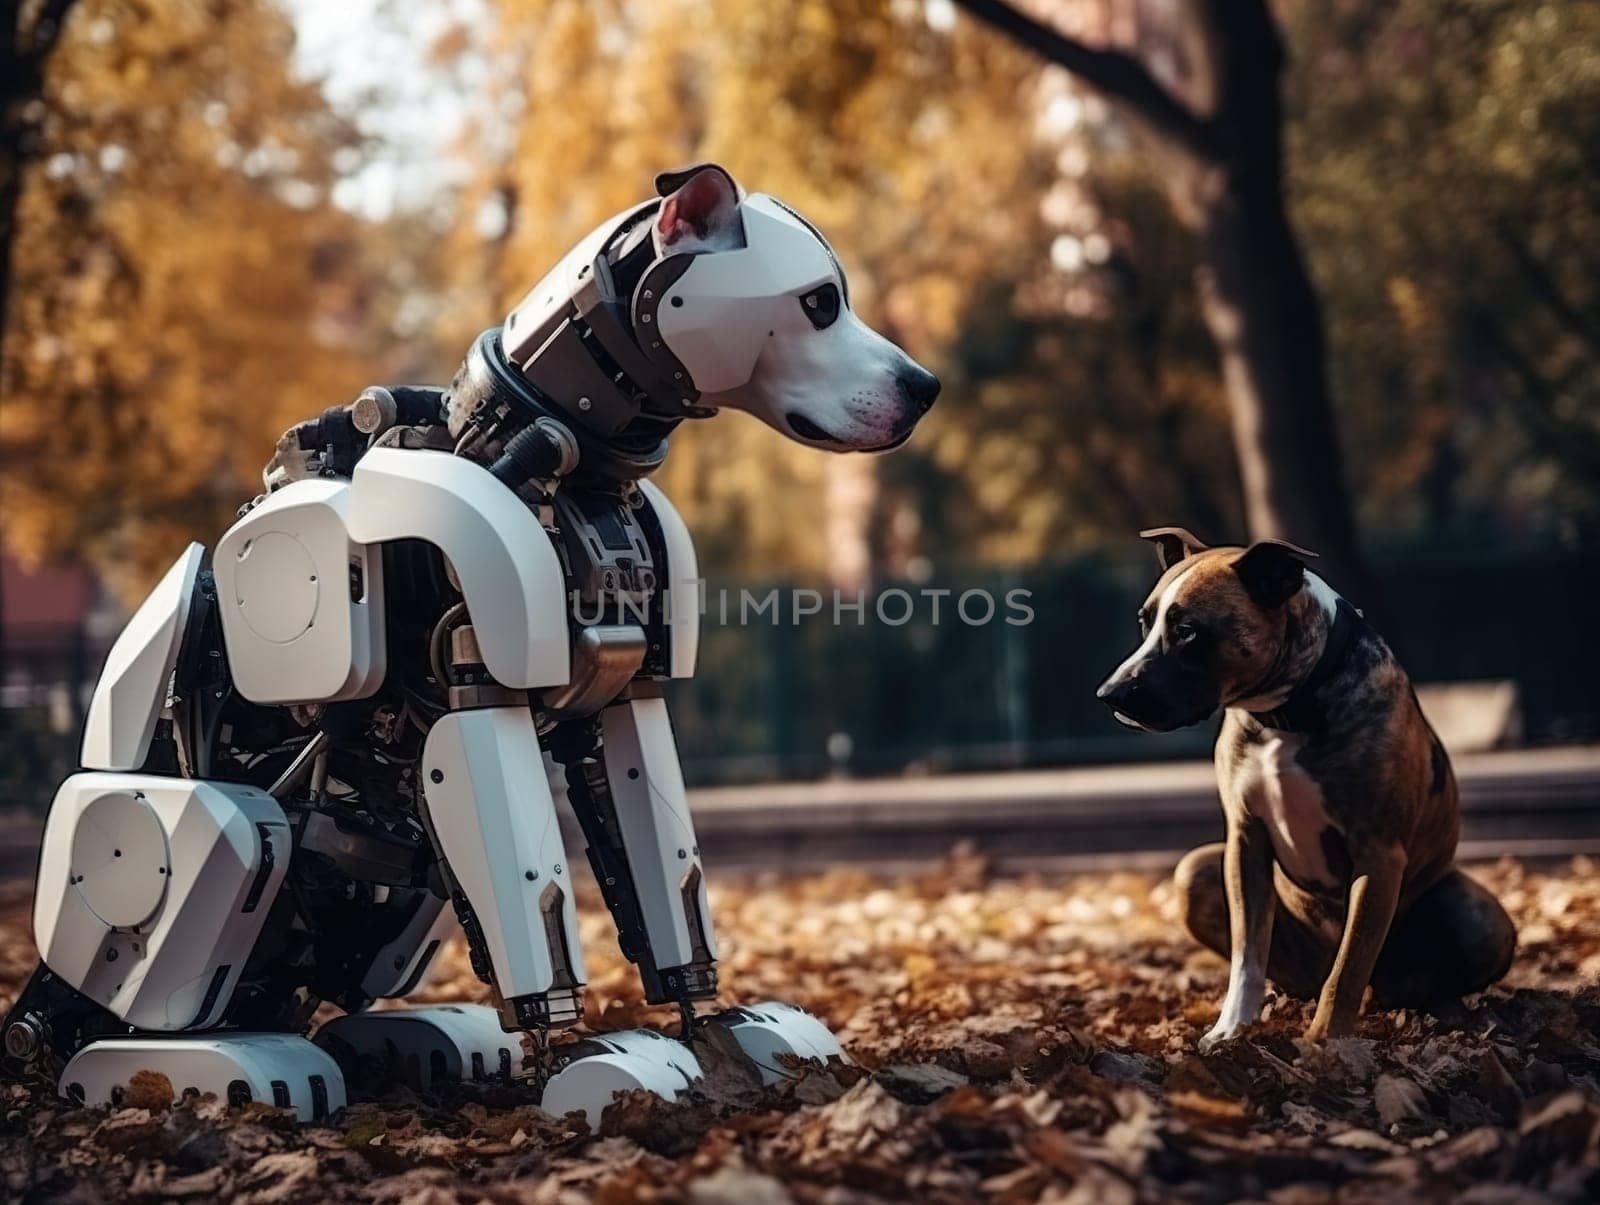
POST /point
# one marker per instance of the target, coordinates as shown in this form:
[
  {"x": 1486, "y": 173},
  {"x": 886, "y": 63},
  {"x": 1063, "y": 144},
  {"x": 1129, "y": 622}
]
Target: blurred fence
[
  {"x": 778, "y": 699},
  {"x": 773, "y": 701}
]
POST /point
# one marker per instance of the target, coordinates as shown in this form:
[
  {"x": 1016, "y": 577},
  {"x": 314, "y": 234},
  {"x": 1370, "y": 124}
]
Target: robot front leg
[
  {"x": 626, "y": 787},
  {"x": 493, "y": 822},
  {"x": 492, "y": 817}
]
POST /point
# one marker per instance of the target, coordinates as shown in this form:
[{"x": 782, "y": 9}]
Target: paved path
[
  {"x": 1531, "y": 802},
  {"x": 1528, "y": 802}
]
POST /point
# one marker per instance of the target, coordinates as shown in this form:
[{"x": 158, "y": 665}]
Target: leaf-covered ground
[{"x": 1016, "y": 1039}]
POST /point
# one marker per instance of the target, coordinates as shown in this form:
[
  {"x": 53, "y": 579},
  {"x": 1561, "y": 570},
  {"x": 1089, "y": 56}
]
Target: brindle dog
[{"x": 1341, "y": 806}]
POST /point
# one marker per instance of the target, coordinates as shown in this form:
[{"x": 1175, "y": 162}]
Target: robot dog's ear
[
  {"x": 1272, "y": 571},
  {"x": 701, "y": 209},
  {"x": 1173, "y": 544}
]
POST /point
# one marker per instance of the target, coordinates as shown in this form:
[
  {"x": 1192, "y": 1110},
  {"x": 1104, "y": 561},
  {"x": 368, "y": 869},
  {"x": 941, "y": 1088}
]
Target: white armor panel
[
  {"x": 653, "y": 812},
  {"x": 397, "y": 969},
  {"x": 490, "y": 808},
  {"x": 680, "y": 576},
  {"x": 301, "y": 603},
  {"x": 152, "y": 892},
  {"x": 433, "y": 1045},
  {"x": 507, "y": 566},
  {"x": 133, "y": 686},
  {"x": 274, "y": 1068}
]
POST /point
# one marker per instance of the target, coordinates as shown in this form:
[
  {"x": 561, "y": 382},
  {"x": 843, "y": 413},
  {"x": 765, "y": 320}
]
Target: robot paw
[
  {"x": 773, "y": 1034},
  {"x": 428, "y": 1046},
  {"x": 768, "y": 1037},
  {"x": 598, "y": 1068},
  {"x": 274, "y": 1068}
]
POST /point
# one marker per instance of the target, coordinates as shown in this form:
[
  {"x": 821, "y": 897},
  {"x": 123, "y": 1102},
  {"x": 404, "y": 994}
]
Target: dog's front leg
[
  {"x": 1374, "y": 892},
  {"x": 1247, "y": 878}
]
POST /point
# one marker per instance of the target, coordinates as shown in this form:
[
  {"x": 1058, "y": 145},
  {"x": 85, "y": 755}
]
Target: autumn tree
[
  {"x": 182, "y": 286},
  {"x": 28, "y": 37},
  {"x": 1443, "y": 160},
  {"x": 1218, "y": 127}
]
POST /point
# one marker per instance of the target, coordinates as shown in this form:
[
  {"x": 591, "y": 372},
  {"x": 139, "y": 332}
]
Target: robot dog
[{"x": 449, "y": 609}]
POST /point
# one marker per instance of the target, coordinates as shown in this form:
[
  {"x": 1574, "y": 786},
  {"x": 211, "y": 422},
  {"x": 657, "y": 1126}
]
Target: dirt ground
[{"x": 1016, "y": 1039}]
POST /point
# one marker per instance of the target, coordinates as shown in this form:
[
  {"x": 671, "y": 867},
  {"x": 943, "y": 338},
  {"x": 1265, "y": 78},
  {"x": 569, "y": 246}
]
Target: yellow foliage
[{"x": 183, "y": 288}]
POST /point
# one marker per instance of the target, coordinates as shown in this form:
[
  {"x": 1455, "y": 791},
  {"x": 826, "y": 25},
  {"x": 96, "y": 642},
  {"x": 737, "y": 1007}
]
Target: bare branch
[{"x": 1118, "y": 76}]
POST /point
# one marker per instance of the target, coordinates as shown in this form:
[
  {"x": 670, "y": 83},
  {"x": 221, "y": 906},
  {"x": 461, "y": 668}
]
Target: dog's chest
[{"x": 1278, "y": 791}]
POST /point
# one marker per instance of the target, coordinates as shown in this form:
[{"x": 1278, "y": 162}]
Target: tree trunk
[
  {"x": 28, "y": 35},
  {"x": 1262, "y": 309},
  {"x": 25, "y": 46},
  {"x": 1257, "y": 297}
]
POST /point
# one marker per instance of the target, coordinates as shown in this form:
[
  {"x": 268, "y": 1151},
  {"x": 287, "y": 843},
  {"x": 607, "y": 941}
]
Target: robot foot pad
[
  {"x": 596, "y": 1069},
  {"x": 426, "y": 1047},
  {"x": 766, "y": 1038},
  {"x": 771, "y": 1037},
  {"x": 274, "y": 1068}
]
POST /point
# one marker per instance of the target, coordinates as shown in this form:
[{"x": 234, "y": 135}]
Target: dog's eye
[
  {"x": 1185, "y": 632},
  {"x": 822, "y": 305}
]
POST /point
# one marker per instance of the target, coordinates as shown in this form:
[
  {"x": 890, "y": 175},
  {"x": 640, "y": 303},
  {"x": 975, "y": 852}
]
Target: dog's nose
[
  {"x": 1119, "y": 691},
  {"x": 920, "y": 386}
]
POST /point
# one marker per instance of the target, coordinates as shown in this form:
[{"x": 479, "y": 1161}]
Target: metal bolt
[
  {"x": 23, "y": 1038},
  {"x": 437, "y": 775},
  {"x": 649, "y": 294},
  {"x": 531, "y": 875},
  {"x": 584, "y": 403},
  {"x": 644, "y": 317}
]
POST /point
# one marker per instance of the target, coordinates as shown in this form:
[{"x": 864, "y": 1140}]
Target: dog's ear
[
  {"x": 700, "y": 211},
  {"x": 1272, "y": 571},
  {"x": 1173, "y": 544}
]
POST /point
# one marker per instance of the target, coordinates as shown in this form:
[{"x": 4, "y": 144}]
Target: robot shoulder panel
[
  {"x": 301, "y": 601},
  {"x": 509, "y": 571},
  {"x": 132, "y": 691}
]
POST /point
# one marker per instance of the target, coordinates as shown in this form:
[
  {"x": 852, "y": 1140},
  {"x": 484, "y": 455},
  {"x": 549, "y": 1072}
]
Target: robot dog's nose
[{"x": 920, "y": 386}]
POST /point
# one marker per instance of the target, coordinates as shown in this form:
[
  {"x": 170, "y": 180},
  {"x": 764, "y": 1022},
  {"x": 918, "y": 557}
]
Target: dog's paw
[
  {"x": 1328, "y": 1024},
  {"x": 1217, "y": 1035}
]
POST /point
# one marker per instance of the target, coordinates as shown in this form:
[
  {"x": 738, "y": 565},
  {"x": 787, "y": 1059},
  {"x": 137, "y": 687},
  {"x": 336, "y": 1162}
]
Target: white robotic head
[{"x": 712, "y": 298}]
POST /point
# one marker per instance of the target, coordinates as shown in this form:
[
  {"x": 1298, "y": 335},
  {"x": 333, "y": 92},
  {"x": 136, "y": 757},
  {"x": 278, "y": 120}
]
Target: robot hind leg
[{"x": 152, "y": 893}]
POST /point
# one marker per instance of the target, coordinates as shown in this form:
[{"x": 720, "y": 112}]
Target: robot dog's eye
[{"x": 822, "y": 305}]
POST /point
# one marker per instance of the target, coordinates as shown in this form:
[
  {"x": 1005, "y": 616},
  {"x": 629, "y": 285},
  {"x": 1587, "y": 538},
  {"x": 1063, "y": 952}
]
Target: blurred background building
[{"x": 220, "y": 216}]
